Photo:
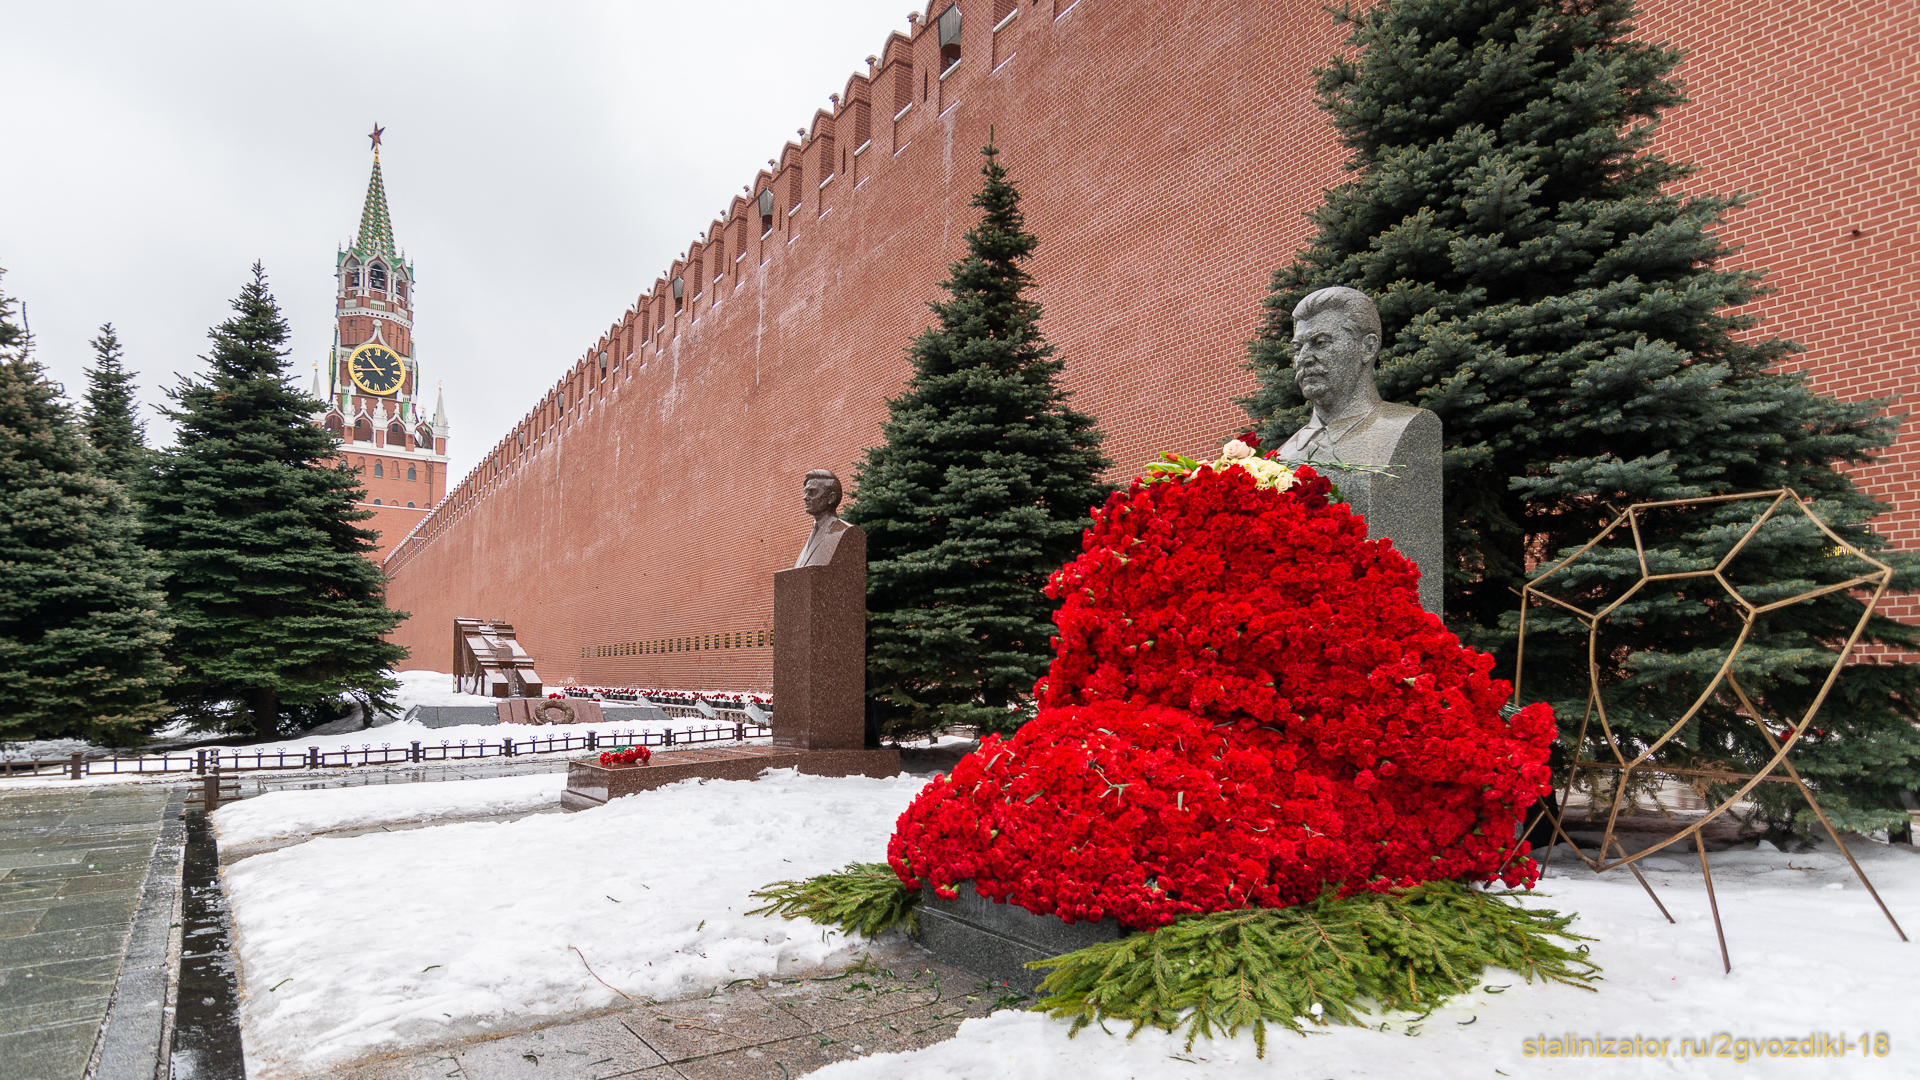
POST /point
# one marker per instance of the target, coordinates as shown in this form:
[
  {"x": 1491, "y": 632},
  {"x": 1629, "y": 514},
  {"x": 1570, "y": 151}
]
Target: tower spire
[{"x": 376, "y": 229}]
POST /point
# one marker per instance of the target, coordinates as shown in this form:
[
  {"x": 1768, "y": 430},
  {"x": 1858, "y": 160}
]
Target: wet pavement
[
  {"x": 898, "y": 998},
  {"x": 206, "y": 1031},
  {"x": 72, "y": 864}
]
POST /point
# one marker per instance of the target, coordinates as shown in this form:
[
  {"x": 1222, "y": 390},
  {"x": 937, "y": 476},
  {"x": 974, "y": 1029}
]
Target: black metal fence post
[
  {"x": 506, "y": 747},
  {"x": 414, "y": 754},
  {"x": 200, "y": 763},
  {"x": 593, "y": 740},
  {"x": 313, "y": 757}
]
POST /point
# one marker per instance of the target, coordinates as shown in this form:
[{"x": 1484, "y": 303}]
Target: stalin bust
[{"x": 1336, "y": 342}]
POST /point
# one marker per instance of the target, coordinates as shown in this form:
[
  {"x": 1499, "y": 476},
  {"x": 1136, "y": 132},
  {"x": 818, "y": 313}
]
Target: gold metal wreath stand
[{"x": 1879, "y": 578}]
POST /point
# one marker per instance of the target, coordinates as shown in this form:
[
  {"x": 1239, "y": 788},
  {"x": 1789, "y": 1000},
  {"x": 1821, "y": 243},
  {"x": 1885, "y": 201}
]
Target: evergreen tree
[
  {"x": 111, "y": 413},
  {"x": 1545, "y": 288},
  {"x": 281, "y": 612},
  {"x": 80, "y": 623},
  {"x": 980, "y": 491}
]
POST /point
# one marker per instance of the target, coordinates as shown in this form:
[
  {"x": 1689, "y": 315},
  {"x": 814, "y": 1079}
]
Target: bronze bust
[{"x": 822, "y": 498}]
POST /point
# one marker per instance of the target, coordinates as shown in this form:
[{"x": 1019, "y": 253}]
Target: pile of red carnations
[
  {"x": 1247, "y": 706},
  {"x": 625, "y": 755}
]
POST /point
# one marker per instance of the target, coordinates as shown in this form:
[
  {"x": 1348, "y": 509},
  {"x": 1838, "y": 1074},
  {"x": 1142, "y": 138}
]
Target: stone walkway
[
  {"x": 72, "y": 862},
  {"x": 898, "y": 998}
]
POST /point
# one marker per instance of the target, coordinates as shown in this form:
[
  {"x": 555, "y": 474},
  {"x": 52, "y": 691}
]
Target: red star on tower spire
[{"x": 375, "y": 136}]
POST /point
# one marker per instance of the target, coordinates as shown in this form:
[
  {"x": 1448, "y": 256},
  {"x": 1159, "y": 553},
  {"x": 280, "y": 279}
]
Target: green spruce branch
[
  {"x": 863, "y": 898},
  {"x": 1330, "y": 961}
]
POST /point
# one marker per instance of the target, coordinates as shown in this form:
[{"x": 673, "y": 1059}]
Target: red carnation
[{"x": 1247, "y": 703}]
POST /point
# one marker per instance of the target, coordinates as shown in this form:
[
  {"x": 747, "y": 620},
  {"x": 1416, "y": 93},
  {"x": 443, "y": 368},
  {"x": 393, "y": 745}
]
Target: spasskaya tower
[{"x": 373, "y": 390}]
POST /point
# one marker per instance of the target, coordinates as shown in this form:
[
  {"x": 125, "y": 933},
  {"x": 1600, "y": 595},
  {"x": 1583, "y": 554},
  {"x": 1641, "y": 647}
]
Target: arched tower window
[
  {"x": 377, "y": 470},
  {"x": 353, "y": 273},
  {"x": 410, "y": 475},
  {"x": 334, "y": 425},
  {"x": 362, "y": 431},
  {"x": 377, "y": 277},
  {"x": 396, "y": 435}
]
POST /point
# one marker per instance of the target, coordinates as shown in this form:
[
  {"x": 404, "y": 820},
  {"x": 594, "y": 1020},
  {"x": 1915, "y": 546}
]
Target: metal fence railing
[{"x": 201, "y": 762}]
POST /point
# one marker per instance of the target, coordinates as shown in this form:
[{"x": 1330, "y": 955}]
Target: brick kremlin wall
[{"x": 630, "y": 525}]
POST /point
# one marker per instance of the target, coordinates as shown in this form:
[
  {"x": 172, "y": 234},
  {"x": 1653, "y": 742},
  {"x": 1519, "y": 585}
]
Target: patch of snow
[
  {"x": 1786, "y": 927},
  {"x": 281, "y": 814},
  {"x": 397, "y": 941},
  {"x": 430, "y": 688},
  {"x": 417, "y": 938},
  {"x": 43, "y": 749}
]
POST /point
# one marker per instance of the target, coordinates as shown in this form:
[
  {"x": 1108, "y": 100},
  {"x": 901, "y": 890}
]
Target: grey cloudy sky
[{"x": 543, "y": 162}]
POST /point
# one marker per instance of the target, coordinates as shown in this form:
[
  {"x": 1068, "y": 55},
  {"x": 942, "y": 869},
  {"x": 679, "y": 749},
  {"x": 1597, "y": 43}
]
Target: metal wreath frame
[{"x": 1879, "y": 578}]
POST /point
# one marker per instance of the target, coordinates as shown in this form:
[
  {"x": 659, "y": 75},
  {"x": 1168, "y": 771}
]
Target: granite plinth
[
  {"x": 549, "y": 711},
  {"x": 439, "y": 716},
  {"x": 998, "y": 940},
  {"x": 591, "y": 784},
  {"x": 1405, "y": 504},
  {"x": 820, "y": 650}
]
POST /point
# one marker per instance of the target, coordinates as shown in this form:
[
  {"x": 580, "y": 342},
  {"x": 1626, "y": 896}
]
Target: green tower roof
[{"x": 376, "y": 229}]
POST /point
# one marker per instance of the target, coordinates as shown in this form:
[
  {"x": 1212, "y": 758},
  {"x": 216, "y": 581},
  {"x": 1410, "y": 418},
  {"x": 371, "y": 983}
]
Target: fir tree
[
  {"x": 280, "y": 610},
  {"x": 979, "y": 493},
  {"x": 80, "y": 623},
  {"x": 1547, "y": 289},
  {"x": 111, "y": 413}
]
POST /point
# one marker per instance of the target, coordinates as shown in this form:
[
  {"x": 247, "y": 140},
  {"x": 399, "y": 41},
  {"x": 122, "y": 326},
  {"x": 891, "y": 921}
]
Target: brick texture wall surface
[{"x": 1166, "y": 150}]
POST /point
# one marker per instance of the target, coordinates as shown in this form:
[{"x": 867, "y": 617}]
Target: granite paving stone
[
  {"x": 72, "y": 865},
  {"x": 595, "y": 1049},
  {"x": 49, "y": 1053}
]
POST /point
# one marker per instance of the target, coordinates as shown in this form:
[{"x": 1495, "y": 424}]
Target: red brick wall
[
  {"x": 1812, "y": 108},
  {"x": 1166, "y": 151}
]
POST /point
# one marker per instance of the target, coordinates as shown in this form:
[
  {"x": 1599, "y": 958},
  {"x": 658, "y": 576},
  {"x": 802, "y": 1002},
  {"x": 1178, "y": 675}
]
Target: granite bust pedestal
[
  {"x": 1336, "y": 341},
  {"x": 819, "y": 676},
  {"x": 820, "y": 631}
]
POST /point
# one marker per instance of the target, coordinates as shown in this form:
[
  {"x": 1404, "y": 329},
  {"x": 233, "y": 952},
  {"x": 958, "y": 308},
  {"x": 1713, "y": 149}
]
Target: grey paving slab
[
  {"x": 73, "y": 862},
  {"x": 58, "y": 1053},
  {"x": 48, "y": 1014},
  {"x": 596, "y": 1049},
  {"x": 21, "y": 920},
  {"x": 58, "y": 945},
  {"x": 65, "y": 980}
]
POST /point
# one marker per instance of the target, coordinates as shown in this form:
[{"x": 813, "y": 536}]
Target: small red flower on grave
[
  {"x": 1252, "y": 440},
  {"x": 625, "y": 755},
  {"x": 1247, "y": 704}
]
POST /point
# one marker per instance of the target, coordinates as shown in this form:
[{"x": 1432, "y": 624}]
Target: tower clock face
[{"x": 376, "y": 369}]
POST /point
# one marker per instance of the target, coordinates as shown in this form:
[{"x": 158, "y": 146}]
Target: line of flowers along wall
[{"x": 629, "y": 527}]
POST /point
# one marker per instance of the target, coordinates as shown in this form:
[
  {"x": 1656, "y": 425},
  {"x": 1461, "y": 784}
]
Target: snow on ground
[
  {"x": 393, "y": 941},
  {"x": 282, "y": 814},
  {"x": 375, "y": 943},
  {"x": 1812, "y": 956}
]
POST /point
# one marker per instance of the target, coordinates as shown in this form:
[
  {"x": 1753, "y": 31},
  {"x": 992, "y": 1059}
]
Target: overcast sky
[{"x": 558, "y": 154}]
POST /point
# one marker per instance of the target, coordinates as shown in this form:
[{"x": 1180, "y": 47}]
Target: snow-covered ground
[
  {"x": 1812, "y": 957},
  {"x": 283, "y": 814},
  {"x": 371, "y": 944},
  {"x": 349, "y": 946}
]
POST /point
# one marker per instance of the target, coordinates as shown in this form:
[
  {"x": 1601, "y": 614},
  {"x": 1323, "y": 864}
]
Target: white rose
[{"x": 1236, "y": 450}]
